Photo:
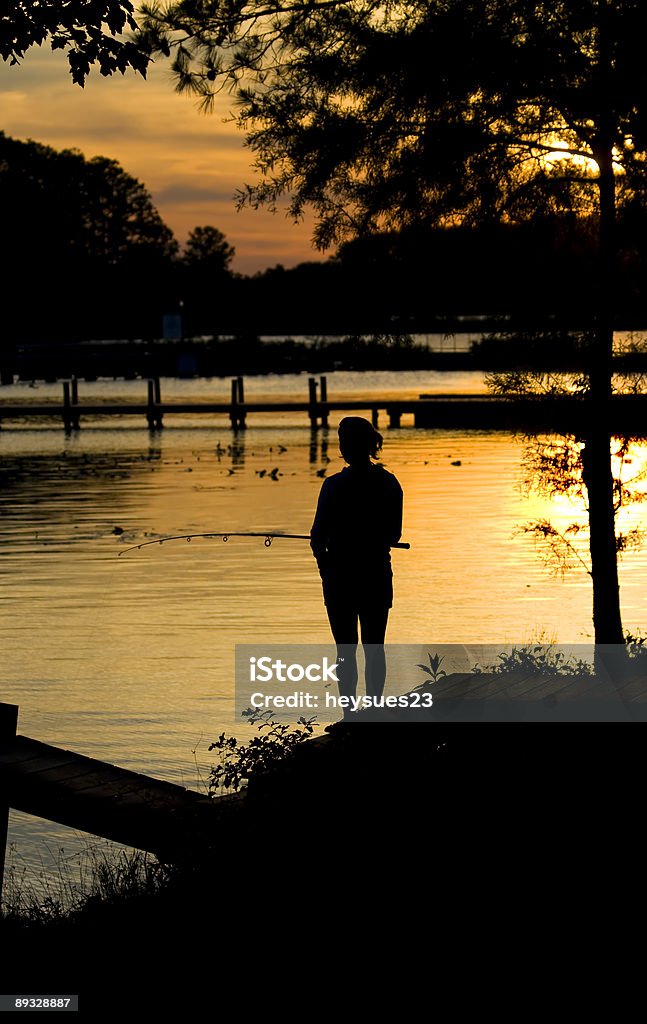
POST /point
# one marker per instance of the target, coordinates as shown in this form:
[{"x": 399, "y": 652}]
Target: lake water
[{"x": 131, "y": 659}]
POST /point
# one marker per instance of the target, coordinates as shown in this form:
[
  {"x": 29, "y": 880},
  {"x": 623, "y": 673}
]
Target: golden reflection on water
[
  {"x": 131, "y": 659},
  {"x": 113, "y": 647},
  {"x": 102, "y": 650}
]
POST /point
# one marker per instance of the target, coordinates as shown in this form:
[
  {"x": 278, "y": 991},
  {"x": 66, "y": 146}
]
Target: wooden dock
[
  {"x": 628, "y": 413},
  {"x": 93, "y": 796},
  {"x": 526, "y": 696}
]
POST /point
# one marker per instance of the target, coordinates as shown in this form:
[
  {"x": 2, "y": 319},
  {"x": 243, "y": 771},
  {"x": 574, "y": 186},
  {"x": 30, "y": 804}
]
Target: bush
[
  {"x": 241, "y": 762},
  {"x": 539, "y": 659}
]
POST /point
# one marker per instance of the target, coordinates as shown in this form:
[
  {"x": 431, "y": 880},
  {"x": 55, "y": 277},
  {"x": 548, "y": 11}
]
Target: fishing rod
[{"x": 268, "y": 538}]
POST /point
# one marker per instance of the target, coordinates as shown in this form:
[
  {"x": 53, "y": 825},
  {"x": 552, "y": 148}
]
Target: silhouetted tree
[
  {"x": 88, "y": 30},
  {"x": 441, "y": 111},
  {"x": 208, "y": 249},
  {"x": 119, "y": 219},
  {"x": 208, "y": 286},
  {"x": 92, "y": 209},
  {"x": 85, "y": 245}
]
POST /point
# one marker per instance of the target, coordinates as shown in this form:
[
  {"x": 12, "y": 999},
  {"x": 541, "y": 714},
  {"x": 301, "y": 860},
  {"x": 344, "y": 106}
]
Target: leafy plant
[
  {"x": 636, "y": 645},
  {"x": 434, "y": 670},
  {"x": 275, "y": 742}
]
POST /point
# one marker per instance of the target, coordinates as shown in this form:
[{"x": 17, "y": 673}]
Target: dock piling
[
  {"x": 242, "y": 416},
  {"x": 154, "y": 413},
  {"x": 150, "y": 413},
  {"x": 237, "y": 413},
  {"x": 74, "y": 419},
  {"x": 312, "y": 402},
  {"x": 8, "y": 726},
  {"x": 67, "y": 407}
]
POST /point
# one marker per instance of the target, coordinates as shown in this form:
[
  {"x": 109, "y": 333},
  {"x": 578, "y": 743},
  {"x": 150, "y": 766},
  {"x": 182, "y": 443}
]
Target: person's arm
[
  {"x": 395, "y": 516},
  {"x": 319, "y": 531}
]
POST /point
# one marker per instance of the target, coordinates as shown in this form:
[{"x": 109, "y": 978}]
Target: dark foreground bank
[{"x": 345, "y": 845}]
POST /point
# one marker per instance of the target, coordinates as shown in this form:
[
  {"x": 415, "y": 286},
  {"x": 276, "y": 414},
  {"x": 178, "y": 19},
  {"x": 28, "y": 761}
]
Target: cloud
[{"x": 184, "y": 193}]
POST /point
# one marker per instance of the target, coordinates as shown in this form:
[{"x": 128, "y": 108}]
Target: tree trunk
[{"x": 598, "y": 478}]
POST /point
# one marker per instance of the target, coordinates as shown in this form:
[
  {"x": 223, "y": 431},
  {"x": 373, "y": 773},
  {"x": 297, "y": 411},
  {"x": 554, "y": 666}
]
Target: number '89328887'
[{"x": 42, "y": 1002}]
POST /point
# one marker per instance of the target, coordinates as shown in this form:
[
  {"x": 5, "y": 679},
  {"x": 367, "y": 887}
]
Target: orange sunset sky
[{"x": 191, "y": 163}]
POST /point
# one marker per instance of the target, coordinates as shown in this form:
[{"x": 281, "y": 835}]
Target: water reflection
[{"x": 318, "y": 453}]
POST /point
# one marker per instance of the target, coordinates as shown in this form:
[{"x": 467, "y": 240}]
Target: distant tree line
[{"x": 87, "y": 256}]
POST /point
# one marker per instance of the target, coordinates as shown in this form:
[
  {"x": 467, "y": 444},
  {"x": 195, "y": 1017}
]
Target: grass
[{"x": 96, "y": 874}]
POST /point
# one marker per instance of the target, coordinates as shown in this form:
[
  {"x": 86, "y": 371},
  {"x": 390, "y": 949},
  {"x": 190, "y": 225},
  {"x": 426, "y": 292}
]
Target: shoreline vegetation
[{"x": 556, "y": 350}]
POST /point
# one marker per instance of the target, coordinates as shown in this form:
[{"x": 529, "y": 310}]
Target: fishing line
[{"x": 267, "y": 537}]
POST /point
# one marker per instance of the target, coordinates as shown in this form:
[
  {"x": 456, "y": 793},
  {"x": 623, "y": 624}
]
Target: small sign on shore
[{"x": 172, "y": 327}]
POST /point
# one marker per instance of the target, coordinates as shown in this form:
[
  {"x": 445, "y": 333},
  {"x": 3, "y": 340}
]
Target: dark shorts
[{"x": 358, "y": 594}]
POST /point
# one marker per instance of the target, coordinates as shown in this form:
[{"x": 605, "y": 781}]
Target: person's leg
[
  {"x": 343, "y": 623},
  {"x": 373, "y": 621}
]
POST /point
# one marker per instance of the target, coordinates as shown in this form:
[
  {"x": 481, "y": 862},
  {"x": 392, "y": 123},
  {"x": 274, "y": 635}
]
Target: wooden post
[
  {"x": 75, "y": 401},
  {"x": 312, "y": 399},
  {"x": 375, "y": 415},
  {"x": 8, "y": 725},
  {"x": 394, "y": 417},
  {"x": 150, "y": 412},
  {"x": 233, "y": 412},
  {"x": 241, "y": 404},
  {"x": 67, "y": 416},
  {"x": 323, "y": 385},
  {"x": 157, "y": 394}
]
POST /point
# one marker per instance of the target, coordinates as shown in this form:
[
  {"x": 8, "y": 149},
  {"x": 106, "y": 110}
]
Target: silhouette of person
[{"x": 358, "y": 518}]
